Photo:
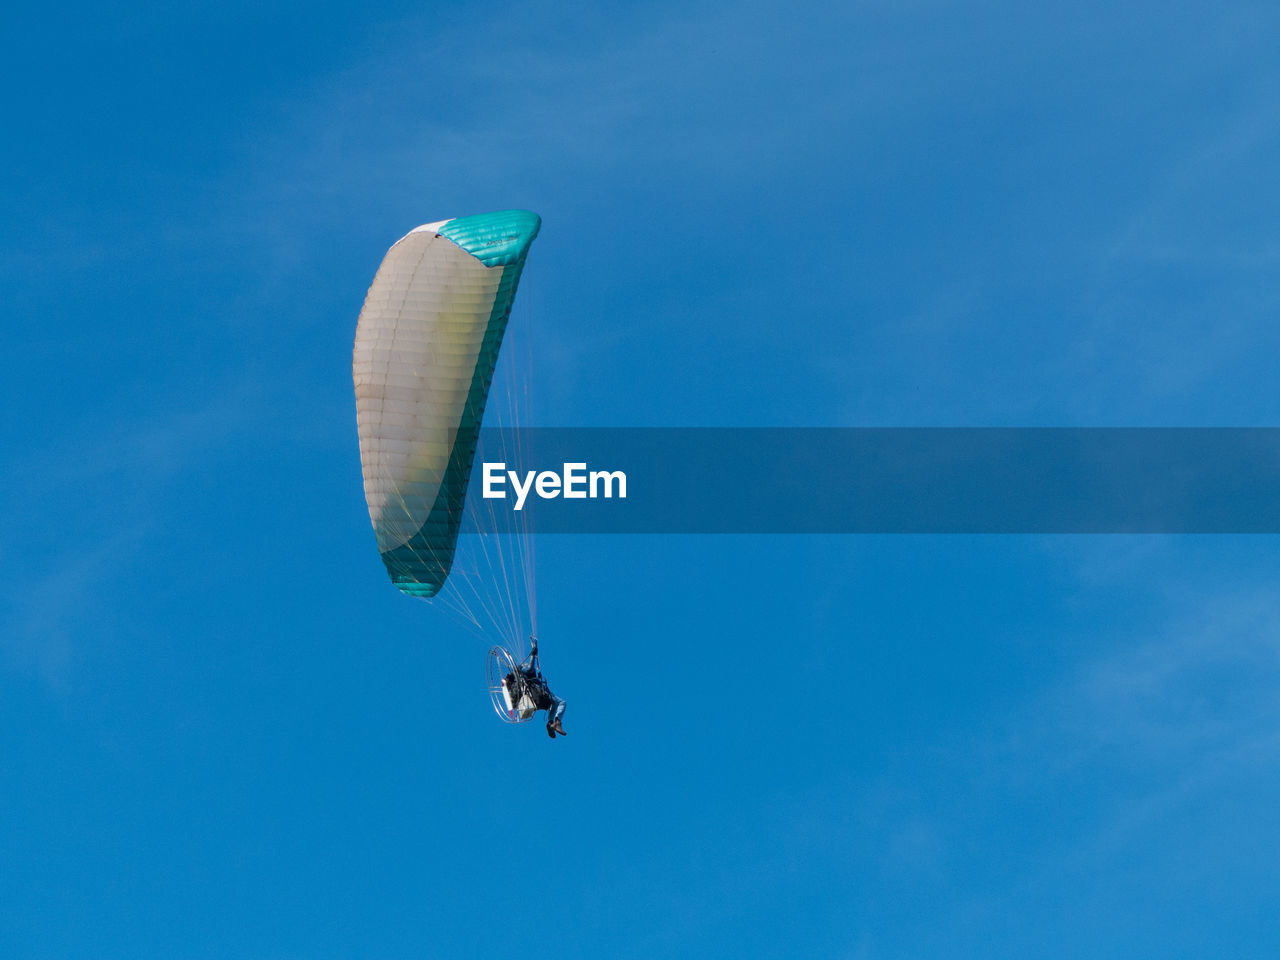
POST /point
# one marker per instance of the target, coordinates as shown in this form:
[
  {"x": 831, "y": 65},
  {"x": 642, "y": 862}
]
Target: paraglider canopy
[{"x": 426, "y": 345}]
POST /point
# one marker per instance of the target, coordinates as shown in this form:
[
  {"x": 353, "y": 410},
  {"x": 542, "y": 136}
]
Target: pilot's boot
[
  {"x": 551, "y": 731},
  {"x": 559, "y": 729}
]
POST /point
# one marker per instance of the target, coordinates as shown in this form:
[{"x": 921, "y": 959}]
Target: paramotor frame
[{"x": 508, "y": 689}]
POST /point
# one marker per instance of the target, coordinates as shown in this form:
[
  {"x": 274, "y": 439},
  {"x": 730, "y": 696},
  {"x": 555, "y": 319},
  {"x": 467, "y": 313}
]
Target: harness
[{"x": 532, "y": 682}]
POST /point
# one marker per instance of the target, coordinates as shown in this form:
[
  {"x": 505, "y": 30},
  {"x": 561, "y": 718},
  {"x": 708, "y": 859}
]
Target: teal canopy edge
[
  {"x": 495, "y": 239},
  {"x": 420, "y": 566}
]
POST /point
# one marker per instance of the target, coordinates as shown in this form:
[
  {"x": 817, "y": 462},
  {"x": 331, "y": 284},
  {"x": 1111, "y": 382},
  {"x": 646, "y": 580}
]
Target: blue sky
[{"x": 226, "y": 735}]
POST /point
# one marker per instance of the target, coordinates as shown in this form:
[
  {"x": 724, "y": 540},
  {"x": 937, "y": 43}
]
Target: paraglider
[
  {"x": 519, "y": 690},
  {"x": 426, "y": 348}
]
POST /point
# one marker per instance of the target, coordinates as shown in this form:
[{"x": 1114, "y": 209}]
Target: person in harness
[{"x": 534, "y": 684}]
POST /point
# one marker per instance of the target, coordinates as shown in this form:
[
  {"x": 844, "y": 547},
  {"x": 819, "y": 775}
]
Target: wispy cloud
[{"x": 82, "y": 509}]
